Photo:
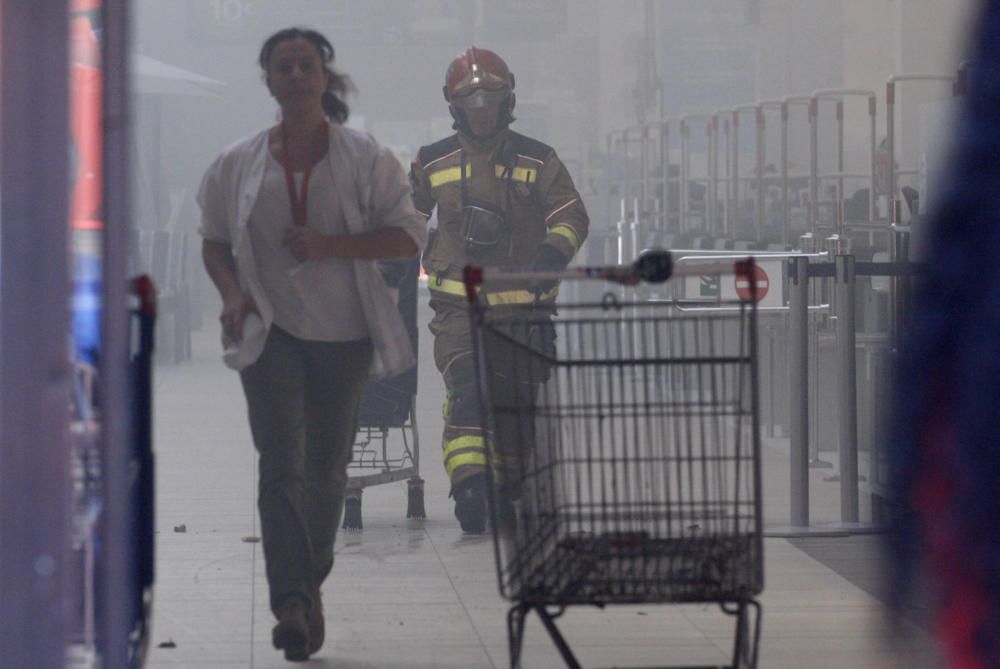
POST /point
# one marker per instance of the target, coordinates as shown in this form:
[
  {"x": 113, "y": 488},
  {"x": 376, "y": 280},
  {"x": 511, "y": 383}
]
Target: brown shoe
[
  {"x": 291, "y": 634},
  {"x": 317, "y": 626}
]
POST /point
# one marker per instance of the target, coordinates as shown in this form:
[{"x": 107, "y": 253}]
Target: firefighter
[{"x": 503, "y": 199}]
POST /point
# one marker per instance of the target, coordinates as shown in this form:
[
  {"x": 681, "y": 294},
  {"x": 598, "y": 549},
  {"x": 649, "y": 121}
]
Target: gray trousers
[{"x": 303, "y": 399}]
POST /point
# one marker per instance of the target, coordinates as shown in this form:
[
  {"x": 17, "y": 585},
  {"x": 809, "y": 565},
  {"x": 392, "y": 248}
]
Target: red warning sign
[{"x": 760, "y": 283}]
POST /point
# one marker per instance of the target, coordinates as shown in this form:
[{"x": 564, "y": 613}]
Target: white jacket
[{"x": 372, "y": 191}]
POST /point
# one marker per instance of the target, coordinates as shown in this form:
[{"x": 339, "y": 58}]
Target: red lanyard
[{"x": 299, "y": 201}]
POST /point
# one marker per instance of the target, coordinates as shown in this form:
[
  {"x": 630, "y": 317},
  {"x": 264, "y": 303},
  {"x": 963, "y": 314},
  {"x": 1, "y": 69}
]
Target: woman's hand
[
  {"x": 234, "y": 309},
  {"x": 308, "y": 244}
]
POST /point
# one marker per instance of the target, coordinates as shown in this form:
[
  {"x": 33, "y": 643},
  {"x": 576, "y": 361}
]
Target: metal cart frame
[
  {"x": 624, "y": 454},
  {"x": 389, "y": 409}
]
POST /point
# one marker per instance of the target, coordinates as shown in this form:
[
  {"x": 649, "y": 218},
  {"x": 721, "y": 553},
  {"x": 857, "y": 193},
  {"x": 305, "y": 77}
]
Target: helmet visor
[{"x": 480, "y": 98}]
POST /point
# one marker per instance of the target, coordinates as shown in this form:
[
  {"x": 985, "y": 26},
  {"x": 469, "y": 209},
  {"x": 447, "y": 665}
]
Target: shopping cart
[
  {"x": 624, "y": 450},
  {"x": 387, "y": 446}
]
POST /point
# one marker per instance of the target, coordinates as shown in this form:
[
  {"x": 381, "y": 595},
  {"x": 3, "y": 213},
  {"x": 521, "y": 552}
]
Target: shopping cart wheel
[
  {"x": 352, "y": 511},
  {"x": 415, "y": 498}
]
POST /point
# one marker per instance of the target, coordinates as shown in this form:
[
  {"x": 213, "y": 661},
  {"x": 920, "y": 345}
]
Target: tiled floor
[{"x": 417, "y": 594}]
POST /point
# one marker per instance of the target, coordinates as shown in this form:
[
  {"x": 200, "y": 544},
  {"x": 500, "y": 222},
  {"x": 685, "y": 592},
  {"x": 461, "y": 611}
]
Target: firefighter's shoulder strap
[
  {"x": 529, "y": 148},
  {"x": 428, "y": 154}
]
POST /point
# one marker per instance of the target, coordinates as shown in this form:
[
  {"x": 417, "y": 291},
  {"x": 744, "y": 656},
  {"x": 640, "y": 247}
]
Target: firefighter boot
[{"x": 470, "y": 503}]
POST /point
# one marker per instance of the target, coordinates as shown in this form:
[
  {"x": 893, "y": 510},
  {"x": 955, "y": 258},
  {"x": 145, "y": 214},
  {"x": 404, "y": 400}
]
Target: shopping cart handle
[{"x": 654, "y": 265}]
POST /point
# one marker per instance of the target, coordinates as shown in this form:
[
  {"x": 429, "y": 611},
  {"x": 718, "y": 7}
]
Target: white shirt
[
  {"x": 372, "y": 192},
  {"x": 327, "y": 311}
]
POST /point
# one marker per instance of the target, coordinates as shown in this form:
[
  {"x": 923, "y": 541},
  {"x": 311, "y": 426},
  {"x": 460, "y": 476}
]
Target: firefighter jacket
[{"x": 520, "y": 178}]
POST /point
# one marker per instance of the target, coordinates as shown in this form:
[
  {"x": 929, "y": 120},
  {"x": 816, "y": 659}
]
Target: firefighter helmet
[{"x": 479, "y": 88}]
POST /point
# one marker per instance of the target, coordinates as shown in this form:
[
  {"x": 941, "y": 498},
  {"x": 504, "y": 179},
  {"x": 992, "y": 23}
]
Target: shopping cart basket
[
  {"x": 387, "y": 446},
  {"x": 624, "y": 452}
]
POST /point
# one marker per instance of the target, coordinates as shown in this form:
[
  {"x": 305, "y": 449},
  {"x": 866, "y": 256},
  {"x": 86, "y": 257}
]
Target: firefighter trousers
[{"x": 513, "y": 386}]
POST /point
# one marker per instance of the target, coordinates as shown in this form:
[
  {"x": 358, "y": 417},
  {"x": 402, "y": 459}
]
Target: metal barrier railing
[
  {"x": 844, "y": 270},
  {"x": 765, "y": 180},
  {"x": 742, "y": 183},
  {"x": 770, "y": 267},
  {"x": 721, "y": 176},
  {"x": 661, "y": 192},
  {"x": 687, "y": 213},
  {"x": 837, "y": 95},
  {"x": 795, "y": 308},
  {"x": 672, "y": 207},
  {"x": 786, "y": 178},
  {"x": 641, "y": 169}
]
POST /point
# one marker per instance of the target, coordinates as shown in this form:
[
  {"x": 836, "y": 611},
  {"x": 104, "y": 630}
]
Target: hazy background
[{"x": 582, "y": 67}]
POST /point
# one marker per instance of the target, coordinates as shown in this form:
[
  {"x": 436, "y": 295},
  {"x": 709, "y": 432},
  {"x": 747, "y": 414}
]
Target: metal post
[
  {"x": 685, "y": 174},
  {"x": 617, "y": 161},
  {"x": 897, "y": 285},
  {"x": 813, "y": 164},
  {"x": 798, "y": 385},
  {"x": 622, "y": 231},
  {"x": 118, "y": 575},
  {"x": 623, "y": 154},
  {"x": 840, "y": 167},
  {"x": 668, "y": 201},
  {"x": 815, "y": 461},
  {"x": 631, "y": 178},
  {"x": 643, "y": 165},
  {"x": 761, "y": 166},
  {"x": 35, "y": 385},
  {"x": 872, "y": 211},
  {"x": 890, "y": 137},
  {"x": 772, "y": 387},
  {"x": 609, "y": 169},
  {"x": 847, "y": 400},
  {"x": 786, "y": 212},
  {"x": 808, "y": 243},
  {"x": 633, "y": 239},
  {"x": 733, "y": 190},
  {"x": 712, "y": 183}
]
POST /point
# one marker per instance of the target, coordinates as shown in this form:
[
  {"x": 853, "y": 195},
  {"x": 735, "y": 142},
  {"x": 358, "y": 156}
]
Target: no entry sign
[{"x": 753, "y": 284}]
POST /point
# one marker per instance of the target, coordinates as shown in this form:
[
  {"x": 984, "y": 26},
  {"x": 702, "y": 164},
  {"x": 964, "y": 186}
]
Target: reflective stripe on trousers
[{"x": 468, "y": 449}]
